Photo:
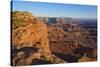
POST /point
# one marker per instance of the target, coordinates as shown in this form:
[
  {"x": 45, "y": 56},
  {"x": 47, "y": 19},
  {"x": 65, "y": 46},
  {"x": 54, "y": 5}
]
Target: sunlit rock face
[{"x": 29, "y": 33}]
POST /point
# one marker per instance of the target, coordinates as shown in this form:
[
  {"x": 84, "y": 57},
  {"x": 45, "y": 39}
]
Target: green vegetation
[
  {"x": 19, "y": 18},
  {"x": 49, "y": 58},
  {"x": 16, "y": 23}
]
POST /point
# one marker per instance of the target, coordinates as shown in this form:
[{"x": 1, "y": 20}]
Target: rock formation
[
  {"x": 43, "y": 40},
  {"x": 30, "y": 33},
  {"x": 30, "y": 44}
]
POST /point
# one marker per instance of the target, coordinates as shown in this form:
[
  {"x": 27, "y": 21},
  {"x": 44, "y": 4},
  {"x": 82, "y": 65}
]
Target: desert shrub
[
  {"x": 16, "y": 20},
  {"x": 49, "y": 58},
  {"x": 16, "y": 23},
  {"x": 22, "y": 18}
]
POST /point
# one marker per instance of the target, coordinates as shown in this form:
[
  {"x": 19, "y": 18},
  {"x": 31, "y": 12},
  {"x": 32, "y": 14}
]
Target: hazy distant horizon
[{"x": 42, "y": 9}]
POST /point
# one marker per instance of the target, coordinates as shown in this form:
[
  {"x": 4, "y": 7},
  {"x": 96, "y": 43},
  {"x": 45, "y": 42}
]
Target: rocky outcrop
[
  {"x": 29, "y": 33},
  {"x": 56, "y": 33}
]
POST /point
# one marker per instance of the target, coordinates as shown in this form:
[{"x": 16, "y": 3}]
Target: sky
[{"x": 43, "y": 9}]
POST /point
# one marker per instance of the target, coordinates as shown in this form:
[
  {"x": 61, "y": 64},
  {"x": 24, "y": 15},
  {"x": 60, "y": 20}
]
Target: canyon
[{"x": 51, "y": 40}]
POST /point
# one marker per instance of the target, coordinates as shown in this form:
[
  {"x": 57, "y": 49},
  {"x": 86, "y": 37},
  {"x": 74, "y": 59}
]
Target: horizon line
[{"x": 55, "y": 16}]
